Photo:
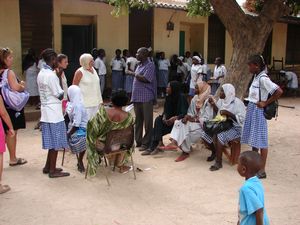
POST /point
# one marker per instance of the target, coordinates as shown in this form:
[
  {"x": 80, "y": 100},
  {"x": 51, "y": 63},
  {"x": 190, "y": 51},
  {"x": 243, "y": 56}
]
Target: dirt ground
[{"x": 165, "y": 193}]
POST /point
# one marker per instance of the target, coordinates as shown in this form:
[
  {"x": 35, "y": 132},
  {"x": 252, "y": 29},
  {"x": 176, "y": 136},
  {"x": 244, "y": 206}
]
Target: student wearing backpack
[
  {"x": 17, "y": 117},
  {"x": 255, "y": 130}
]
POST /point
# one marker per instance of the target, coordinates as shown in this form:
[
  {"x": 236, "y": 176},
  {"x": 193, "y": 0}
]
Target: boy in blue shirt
[{"x": 251, "y": 195}]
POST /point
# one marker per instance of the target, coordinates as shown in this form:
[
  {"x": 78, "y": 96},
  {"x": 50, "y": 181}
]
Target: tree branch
[{"x": 273, "y": 10}]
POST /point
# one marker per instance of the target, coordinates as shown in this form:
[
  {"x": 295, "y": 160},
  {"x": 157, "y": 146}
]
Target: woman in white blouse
[{"x": 87, "y": 79}]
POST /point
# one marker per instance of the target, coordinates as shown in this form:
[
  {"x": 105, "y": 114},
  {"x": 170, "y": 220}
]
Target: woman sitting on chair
[
  {"x": 188, "y": 130},
  {"x": 106, "y": 120},
  {"x": 234, "y": 109}
]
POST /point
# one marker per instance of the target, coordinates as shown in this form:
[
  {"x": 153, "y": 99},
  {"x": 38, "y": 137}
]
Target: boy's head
[{"x": 249, "y": 164}]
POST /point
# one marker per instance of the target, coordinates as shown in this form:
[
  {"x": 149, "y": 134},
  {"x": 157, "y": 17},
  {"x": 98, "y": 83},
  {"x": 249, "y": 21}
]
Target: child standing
[
  {"x": 251, "y": 195},
  {"x": 77, "y": 124},
  {"x": 4, "y": 115},
  {"x": 163, "y": 74},
  {"x": 117, "y": 65}
]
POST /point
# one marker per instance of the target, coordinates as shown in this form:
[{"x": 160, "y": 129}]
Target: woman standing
[
  {"x": 54, "y": 133},
  {"x": 30, "y": 69},
  {"x": 87, "y": 79},
  {"x": 255, "y": 132},
  {"x": 163, "y": 74},
  {"x": 17, "y": 118},
  {"x": 117, "y": 66}
]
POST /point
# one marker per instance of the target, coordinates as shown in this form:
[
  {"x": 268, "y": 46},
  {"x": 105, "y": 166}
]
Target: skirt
[
  {"x": 223, "y": 137},
  {"x": 128, "y": 83},
  {"x": 163, "y": 77},
  {"x": 255, "y": 131},
  {"x": 2, "y": 138},
  {"x": 117, "y": 80},
  {"x": 54, "y": 135},
  {"x": 77, "y": 143}
]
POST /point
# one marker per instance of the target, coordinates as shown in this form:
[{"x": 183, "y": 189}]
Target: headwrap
[
  {"x": 75, "y": 98},
  {"x": 197, "y": 58},
  {"x": 204, "y": 92}
]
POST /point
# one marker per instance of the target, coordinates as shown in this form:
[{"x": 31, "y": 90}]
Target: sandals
[
  {"x": 58, "y": 174},
  {"x": 211, "y": 157},
  {"x": 216, "y": 167},
  {"x": 46, "y": 171},
  {"x": 4, "y": 188},
  {"x": 182, "y": 157},
  {"x": 168, "y": 148},
  {"x": 19, "y": 162}
]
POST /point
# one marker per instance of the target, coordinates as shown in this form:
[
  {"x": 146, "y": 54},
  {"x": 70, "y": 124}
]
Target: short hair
[
  {"x": 118, "y": 50},
  {"x": 257, "y": 60},
  {"x": 101, "y": 51},
  {"x": 252, "y": 161},
  {"x": 4, "y": 53},
  {"x": 85, "y": 60},
  {"x": 60, "y": 57},
  {"x": 47, "y": 54},
  {"x": 120, "y": 98}
]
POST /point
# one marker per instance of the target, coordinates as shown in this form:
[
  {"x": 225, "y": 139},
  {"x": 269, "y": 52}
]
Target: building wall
[
  {"x": 112, "y": 33},
  {"x": 170, "y": 44},
  {"x": 10, "y": 31}
]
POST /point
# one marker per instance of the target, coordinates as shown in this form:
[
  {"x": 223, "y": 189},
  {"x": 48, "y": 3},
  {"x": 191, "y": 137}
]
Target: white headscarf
[
  {"x": 232, "y": 104},
  {"x": 197, "y": 58},
  {"x": 75, "y": 98}
]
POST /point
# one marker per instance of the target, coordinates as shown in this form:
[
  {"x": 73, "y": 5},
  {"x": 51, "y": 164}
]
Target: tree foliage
[
  {"x": 199, "y": 8},
  {"x": 122, "y": 7}
]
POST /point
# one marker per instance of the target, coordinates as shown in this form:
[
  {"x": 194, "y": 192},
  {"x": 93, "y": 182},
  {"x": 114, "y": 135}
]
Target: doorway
[{"x": 76, "y": 40}]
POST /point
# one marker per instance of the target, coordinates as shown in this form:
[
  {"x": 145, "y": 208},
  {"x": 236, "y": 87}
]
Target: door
[
  {"x": 182, "y": 43},
  {"x": 76, "y": 40},
  {"x": 140, "y": 29}
]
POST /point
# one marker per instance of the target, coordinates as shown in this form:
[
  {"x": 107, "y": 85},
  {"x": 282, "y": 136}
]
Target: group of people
[{"x": 82, "y": 120}]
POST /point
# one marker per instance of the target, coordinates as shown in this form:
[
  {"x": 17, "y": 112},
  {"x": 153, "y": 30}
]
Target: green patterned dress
[{"x": 97, "y": 129}]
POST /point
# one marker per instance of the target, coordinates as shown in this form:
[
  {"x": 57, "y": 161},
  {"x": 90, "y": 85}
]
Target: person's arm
[
  {"x": 259, "y": 215},
  {"x": 273, "y": 98},
  {"x": 228, "y": 114},
  {"x": 148, "y": 76},
  {"x": 213, "y": 104},
  {"x": 13, "y": 83},
  {"x": 4, "y": 115},
  {"x": 77, "y": 77}
]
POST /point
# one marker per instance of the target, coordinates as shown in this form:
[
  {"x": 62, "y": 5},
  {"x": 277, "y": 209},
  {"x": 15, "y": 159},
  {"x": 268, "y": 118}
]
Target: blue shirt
[
  {"x": 251, "y": 199},
  {"x": 144, "y": 92}
]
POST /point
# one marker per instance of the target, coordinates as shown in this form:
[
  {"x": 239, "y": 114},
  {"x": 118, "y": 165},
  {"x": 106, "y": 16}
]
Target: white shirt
[
  {"x": 184, "y": 68},
  {"x": 189, "y": 61},
  {"x": 50, "y": 91},
  {"x": 163, "y": 64},
  {"x": 133, "y": 62},
  {"x": 292, "y": 79},
  {"x": 100, "y": 66},
  {"x": 90, "y": 88},
  {"x": 118, "y": 65},
  {"x": 263, "y": 83},
  {"x": 220, "y": 71},
  {"x": 41, "y": 64},
  {"x": 196, "y": 75}
]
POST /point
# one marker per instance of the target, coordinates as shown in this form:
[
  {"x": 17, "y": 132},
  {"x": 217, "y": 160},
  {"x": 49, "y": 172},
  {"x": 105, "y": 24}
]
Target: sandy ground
[{"x": 166, "y": 193}]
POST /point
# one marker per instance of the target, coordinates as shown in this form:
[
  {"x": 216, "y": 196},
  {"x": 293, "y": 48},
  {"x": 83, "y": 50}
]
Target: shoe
[
  {"x": 58, "y": 174},
  {"x": 156, "y": 151},
  {"x": 143, "y": 148},
  {"x": 216, "y": 167},
  {"x": 182, "y": 157},
  {"x": 169, "y": 148},
  {"x": 45, "y": 171},
  {"x": 146, "y": 152},
  {"x": 211, "y": 157}
]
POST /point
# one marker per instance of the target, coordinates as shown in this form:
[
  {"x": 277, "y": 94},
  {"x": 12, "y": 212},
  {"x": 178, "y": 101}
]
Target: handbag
[
  {"x": 212, "y": 127},
  {"x": 14, "y": 100},
  {"x": 271, "y": 110}
]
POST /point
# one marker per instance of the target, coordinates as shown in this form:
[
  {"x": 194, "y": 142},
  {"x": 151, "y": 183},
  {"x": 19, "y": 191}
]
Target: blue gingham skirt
[
  {"x": 77, "y": 143},
  {"x": 163, "y": 78},
  {"x": 128, "y": 83},
  {"x": 117, "y": 80},
  {"x": 255, "y": 131},
  {"x": 54, "y": 135},
  {"x": 225, "y": 136}
]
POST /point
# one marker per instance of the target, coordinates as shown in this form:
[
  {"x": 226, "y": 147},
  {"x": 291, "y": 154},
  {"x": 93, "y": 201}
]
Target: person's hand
[
  {"x": 185, "y": 119},
  {"x": 211, "y": 101},
  {"x": 23, "y": 83},
  {"x": 261, "y": 104},
  {"x": 11, "y": 132},
  {"x": 224, "y": 113}
]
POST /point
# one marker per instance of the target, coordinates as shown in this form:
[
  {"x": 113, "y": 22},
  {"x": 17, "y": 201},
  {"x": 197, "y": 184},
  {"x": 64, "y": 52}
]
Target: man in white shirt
[
  {"x": 101, "y": 68},
  {"x": 291, "y": 81},
  {"x": 218, "y": 76}
]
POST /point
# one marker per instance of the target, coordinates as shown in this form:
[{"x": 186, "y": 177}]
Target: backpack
[{"x": 14, "y": 100}]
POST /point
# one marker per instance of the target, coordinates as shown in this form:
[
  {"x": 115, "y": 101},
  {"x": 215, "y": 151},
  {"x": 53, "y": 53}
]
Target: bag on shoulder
[
  {"x": 271, "y": 110},
  {"x": 14, "y": 100}
]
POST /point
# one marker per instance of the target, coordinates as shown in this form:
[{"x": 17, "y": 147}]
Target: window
[
  {"x": 216, "y": 39},
  {"x": 293, "y": 44}
]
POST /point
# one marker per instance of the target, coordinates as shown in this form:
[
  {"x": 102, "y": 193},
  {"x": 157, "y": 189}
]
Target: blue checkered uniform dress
[
  {"x": 225, "y": 136},
  {"x": 255, "y": 131},
  {"x": 54, "y": 135}
]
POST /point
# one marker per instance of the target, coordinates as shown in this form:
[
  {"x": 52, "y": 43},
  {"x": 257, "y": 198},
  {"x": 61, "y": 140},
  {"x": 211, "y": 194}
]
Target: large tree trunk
[{"x": 249, "y": 35}]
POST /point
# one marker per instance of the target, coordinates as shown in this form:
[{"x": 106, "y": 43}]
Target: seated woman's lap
[{"x": 229, "y": 135}]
